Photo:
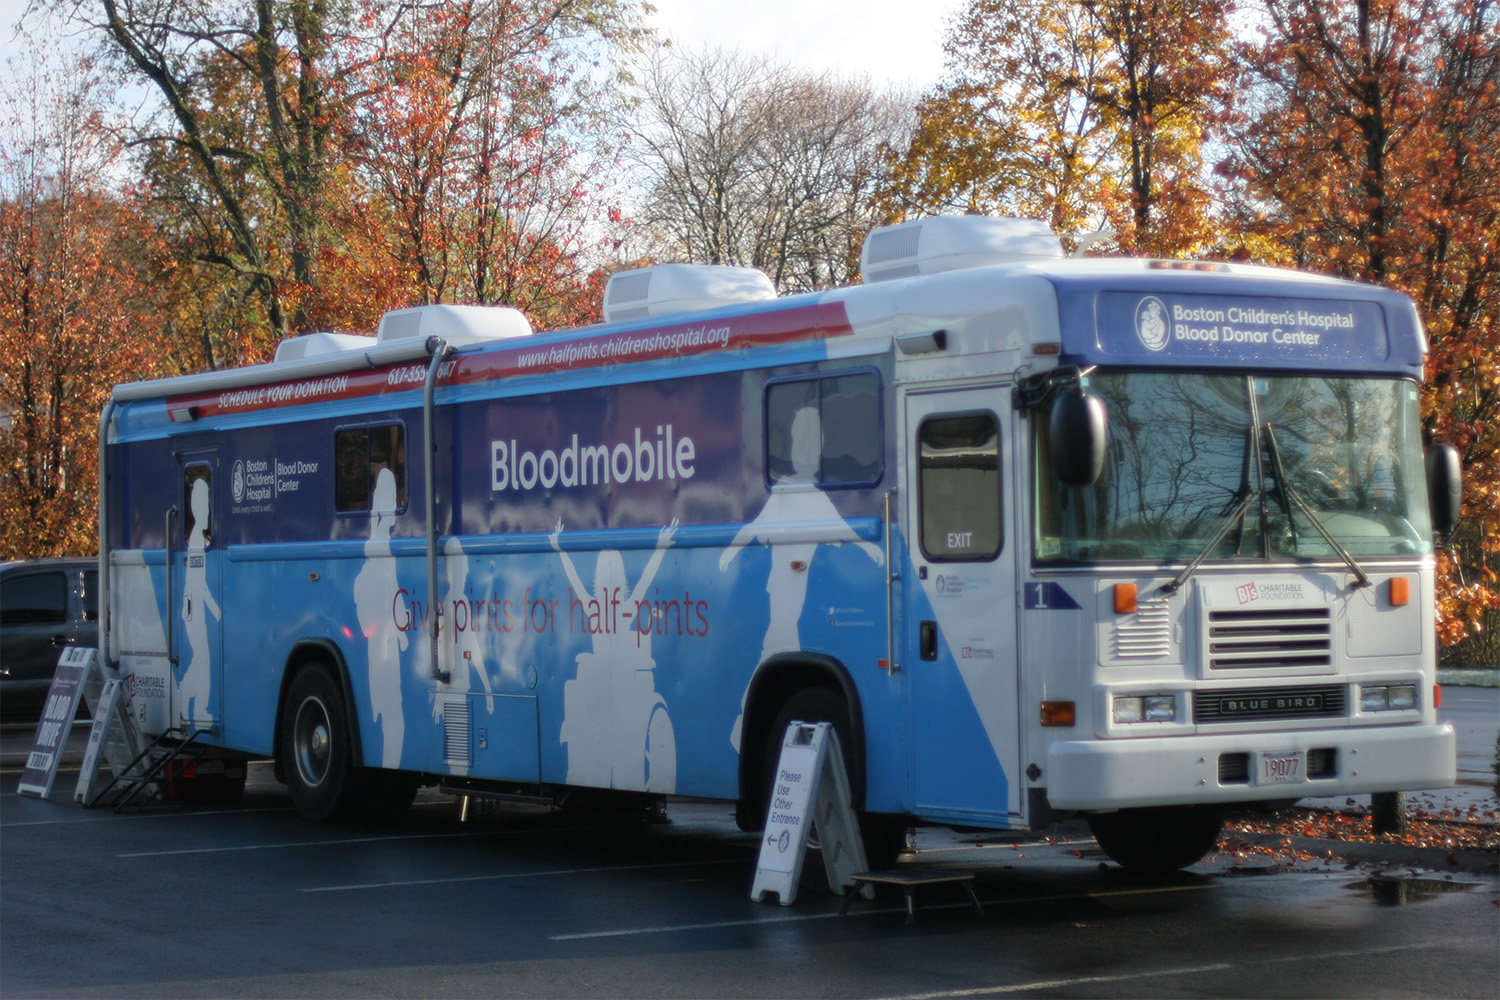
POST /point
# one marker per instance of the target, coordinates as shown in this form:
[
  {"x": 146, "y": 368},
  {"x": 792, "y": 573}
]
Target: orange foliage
[{"x": 1369, "y": 147}]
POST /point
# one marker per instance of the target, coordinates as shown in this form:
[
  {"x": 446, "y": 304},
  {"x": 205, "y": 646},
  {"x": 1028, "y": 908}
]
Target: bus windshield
[{"x": 1190, "y": 452}]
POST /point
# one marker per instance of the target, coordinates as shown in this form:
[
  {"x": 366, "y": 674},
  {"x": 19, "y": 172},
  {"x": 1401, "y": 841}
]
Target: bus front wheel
[{"x": 1158, "y": 840}]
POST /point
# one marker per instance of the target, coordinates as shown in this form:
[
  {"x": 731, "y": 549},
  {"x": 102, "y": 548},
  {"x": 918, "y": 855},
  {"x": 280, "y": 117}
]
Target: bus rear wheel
[
  {"x": 315, "y": 750},
  {"x": 318, "y": 757},
  {"x": 1158, "y": 840}
]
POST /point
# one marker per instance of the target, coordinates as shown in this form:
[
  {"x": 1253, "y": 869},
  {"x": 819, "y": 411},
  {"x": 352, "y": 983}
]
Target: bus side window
[
  {"x": 847, "y": 408},
  {"x": 191, "y": 476},
  {"x": 959, "y": 483},
  {"x": 360, "y": 454}
]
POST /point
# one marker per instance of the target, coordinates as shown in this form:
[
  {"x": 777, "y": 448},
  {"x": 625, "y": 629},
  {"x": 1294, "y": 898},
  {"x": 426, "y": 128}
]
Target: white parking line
[
  {"x": 515, "y": 875},
  {"x": 295, "y": 843},
  {"x": 674, "y": 928},
  {"x": 86, "y": 817},
  {"x": 793, "y": 918},
  {"x": 1188, "y": 970}
]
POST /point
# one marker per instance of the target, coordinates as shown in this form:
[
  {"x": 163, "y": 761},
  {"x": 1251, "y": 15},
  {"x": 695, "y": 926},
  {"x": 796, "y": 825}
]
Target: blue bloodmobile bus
[{"x": 1129, "y": 539}]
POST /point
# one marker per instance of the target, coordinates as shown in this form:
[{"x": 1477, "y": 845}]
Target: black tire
[
  {"x": 317, "y": 757},
  {"x": 1159, "y": 840},
  {"x": 1388, "y": 812},
  {"x": 884, "y": 836},
  {"x": 316, "y": 751}
]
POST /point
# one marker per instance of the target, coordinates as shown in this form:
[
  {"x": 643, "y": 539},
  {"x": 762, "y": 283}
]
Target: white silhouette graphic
[
  {"x": 465, "y": 643},
  {"x": 786, "y": 585},
  {"x": 615, "y": 724},
  {"x": 197, "y": 603},
  {"x": 385, "y": 642}
]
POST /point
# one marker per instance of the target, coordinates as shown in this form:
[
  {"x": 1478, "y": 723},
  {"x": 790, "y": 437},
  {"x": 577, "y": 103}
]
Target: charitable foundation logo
[{"x": 1151, "y": 323}]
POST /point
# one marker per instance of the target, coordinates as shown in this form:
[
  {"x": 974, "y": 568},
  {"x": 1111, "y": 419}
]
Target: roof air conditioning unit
[
  {"x": 648, "y": 292},
  {"x": 952, "y": 243},
  {"x": 311, "y": 345},
  {"x": 458, "y": 325}
]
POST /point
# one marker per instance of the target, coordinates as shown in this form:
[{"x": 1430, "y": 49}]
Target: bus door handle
[{"x": 927, "y": 640}]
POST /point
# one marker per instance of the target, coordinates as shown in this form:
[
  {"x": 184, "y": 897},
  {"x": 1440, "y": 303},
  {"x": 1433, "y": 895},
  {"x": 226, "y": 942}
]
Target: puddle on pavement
[{"x": 1396, "y": 890}]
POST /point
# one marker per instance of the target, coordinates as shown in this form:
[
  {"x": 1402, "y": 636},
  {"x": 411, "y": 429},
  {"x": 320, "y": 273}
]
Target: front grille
[
  {"x": 1270, "y": 638},
  {"x": 1318, "y": 702}
]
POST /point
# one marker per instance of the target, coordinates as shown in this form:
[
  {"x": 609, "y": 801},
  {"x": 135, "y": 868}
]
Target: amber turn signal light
[
  {"x": 1125, "y": 602},
  {"x": 1057, "y": 713},
  {"x": 1400, "y": 591}
]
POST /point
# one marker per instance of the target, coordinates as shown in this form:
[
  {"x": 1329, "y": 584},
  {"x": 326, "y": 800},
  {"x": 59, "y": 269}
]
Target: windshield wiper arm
[
  {"x": 1283, "y": 488},
  {"x": 1288, "y": 491},
  {"x": 1236, "y": 516},
  {"x": 1245, "y": 494}
]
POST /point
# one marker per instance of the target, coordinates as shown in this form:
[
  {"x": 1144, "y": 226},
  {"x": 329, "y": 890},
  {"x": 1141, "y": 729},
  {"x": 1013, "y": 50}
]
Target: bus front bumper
[{"x": 1187, "y": 770}]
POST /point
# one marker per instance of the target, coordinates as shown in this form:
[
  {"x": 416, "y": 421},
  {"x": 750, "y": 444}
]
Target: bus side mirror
[
  {"x": 1076, "y": 437},
  {"x": 1445, "y": 487}
]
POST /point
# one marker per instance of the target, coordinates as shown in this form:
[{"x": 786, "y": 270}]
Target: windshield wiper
[
  {"x": 1245, "y": 494},
  {"x": 1290, "y": 492},
  {"x": 1236, "y": 517}
]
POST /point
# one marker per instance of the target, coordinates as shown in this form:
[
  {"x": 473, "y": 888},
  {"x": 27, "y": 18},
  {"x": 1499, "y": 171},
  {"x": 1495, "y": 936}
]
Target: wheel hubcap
[{"x": 313, "y": 742}]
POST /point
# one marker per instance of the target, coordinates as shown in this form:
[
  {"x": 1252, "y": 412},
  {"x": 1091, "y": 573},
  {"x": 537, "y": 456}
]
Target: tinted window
[
  {"x": 959, "y": 466},
  {"x": 824, "y": 430},
  {"x": 370, "y": 468},
  {"x": 33, "y": 598},
  {"x": 197, "y": 502}
]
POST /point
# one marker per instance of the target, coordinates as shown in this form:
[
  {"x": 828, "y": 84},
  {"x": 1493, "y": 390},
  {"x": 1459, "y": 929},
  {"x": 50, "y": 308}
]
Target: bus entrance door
[
  {"x": 197, "y": 619},
  {"x": 959, "y": 652}
]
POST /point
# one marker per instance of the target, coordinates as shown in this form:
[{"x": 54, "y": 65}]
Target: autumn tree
[
  {"x": 71, "y": 256},
  {"x": 485, "y": 133},
  {"x": 246, "y": 106},
  {"x": 746, "y": 162},
  {"x": 322, "y": 154},
  {"x": 1367, "y": 144},
  {"x": 1080, "y": 114}
]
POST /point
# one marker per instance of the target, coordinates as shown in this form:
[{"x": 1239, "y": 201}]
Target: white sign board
[
  {"x": 811, "y": 789},
  {"x": 56, "y": 722},
  {"x": 105, "y": 716}
]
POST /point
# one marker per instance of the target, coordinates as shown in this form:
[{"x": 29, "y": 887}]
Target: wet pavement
[{"x": 249, "y": 900}]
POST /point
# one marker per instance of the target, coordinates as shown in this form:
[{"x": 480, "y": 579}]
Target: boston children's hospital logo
[{"x": 1151, "y": 323}]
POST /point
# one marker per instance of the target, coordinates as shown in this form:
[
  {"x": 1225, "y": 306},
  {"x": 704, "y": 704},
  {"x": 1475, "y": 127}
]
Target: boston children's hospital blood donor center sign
[{"x": 1161, "y": 328}]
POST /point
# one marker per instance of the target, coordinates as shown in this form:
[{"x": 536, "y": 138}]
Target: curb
[{"x": 1476, "y": 862}]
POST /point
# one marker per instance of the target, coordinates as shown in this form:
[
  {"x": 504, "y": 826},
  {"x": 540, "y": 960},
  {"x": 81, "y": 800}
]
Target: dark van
[{"x": 46, "y": 605}]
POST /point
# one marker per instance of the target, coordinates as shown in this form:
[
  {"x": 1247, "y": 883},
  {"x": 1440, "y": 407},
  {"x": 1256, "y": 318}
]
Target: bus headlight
[
  {"x": 1387, "y": 697},
  {"x": 1145, "y": 708}
]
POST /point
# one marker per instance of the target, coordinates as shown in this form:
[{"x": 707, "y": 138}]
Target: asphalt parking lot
[{"x": 249, "y": 900}]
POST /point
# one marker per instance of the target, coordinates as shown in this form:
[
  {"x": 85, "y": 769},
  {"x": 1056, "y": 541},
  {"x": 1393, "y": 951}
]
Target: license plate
[{"x": 1280, "y": 768}]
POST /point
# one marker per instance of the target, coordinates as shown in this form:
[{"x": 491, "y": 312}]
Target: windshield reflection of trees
[{"x": 1183, "y": 454}]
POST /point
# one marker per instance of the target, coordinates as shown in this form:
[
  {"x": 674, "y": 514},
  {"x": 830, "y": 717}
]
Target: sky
[{"x": 892, "y": 43}]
